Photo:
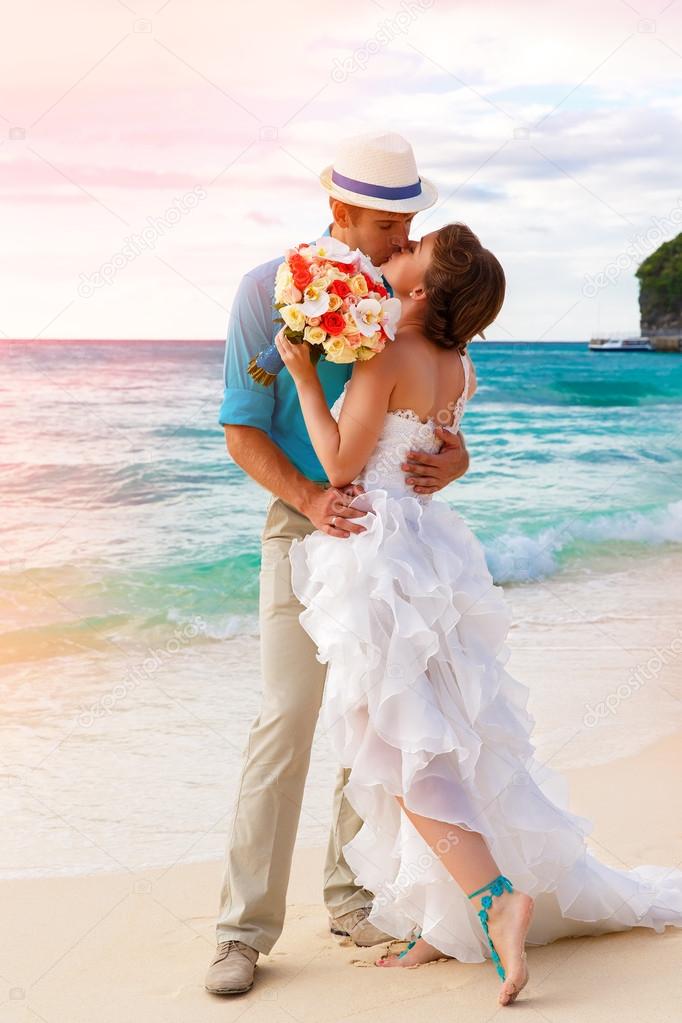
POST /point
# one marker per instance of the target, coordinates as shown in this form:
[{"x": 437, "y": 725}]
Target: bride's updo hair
[{"x": 465, "y": 287}]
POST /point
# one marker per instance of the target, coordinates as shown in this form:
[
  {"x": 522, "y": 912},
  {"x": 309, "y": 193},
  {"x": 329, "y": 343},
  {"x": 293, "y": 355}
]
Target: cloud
[
  {"x": 263, "y": 218},
  {"x": 244, "y": 104}
]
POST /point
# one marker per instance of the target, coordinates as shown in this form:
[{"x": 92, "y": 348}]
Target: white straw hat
[{"x": 378, "y": 172}]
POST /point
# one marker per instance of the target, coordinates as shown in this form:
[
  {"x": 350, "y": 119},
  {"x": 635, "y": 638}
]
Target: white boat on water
[{"x": 624, "y": 344}]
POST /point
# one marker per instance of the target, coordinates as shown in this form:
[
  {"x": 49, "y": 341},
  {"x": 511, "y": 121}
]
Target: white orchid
[
  {"x": 367, "y": 315},
  {"x": 315, "y": 299},
  {"x": 326, "y": 248},
  {"x": 369, "y": 268},
  {"x": 390, "y": 314}
]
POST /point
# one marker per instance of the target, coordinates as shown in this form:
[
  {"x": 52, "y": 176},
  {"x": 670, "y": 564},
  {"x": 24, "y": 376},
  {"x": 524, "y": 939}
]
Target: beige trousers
[{"x": 270, "y": 791}]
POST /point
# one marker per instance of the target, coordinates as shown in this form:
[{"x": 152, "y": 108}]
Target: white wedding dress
[{"x": 418, "y": 703}]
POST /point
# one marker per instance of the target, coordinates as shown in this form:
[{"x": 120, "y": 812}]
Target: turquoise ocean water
[
  {"x": 129, "y": 553},
  {"x": 118, "y": 491}
]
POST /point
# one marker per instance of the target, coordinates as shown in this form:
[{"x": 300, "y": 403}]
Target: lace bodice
[{"x": 404, "y": 431}]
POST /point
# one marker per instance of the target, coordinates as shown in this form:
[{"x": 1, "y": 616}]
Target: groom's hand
[
  {"x": 428, "y": 473},
  {"x": 328, "y": 510}
]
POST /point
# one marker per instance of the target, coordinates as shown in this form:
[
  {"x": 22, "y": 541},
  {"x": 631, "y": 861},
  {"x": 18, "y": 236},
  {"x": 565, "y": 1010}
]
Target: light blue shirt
[{"x": 274, "y": 409}]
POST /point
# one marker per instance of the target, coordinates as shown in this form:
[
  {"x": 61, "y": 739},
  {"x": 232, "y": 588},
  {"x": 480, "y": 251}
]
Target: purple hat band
[{"x": 377, "y": 191}]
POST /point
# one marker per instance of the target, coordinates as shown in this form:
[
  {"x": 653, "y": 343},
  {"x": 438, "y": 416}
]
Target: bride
[{"x": 467, "y": 843}]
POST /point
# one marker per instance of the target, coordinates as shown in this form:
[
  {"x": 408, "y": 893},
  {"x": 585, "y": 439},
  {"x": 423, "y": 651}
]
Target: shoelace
[{"x": 223, "y": 953}]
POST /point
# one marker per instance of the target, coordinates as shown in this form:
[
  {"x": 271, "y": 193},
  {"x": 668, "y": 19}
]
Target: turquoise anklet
[
  {"x": 497, "y": 886},
  {"x": 410, "y": 945}
]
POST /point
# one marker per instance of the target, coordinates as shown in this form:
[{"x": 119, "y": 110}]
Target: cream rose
[
  {"x": 293, "y": 316},
  {"x": 290, "y": 295},
  {"x": 283, "y": 280},
  {"x": 316, "y": 335},
  {"x": 336, "y": 350},
  {"x": 358, "y": 285},
  {"x": 375, "y": 342}
]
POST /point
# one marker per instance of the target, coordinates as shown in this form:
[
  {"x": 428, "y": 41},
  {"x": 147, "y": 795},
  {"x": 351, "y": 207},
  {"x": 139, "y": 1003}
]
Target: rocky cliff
[{"x": 660, "y": 290}]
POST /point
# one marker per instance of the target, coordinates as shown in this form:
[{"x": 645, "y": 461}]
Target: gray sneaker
[
  {"x": 356, "y": 926},
  {"x": 231, "y": 972}
]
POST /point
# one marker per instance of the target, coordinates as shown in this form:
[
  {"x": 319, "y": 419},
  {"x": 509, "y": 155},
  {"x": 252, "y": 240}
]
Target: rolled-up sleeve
[{"x": 246, "y": 402}]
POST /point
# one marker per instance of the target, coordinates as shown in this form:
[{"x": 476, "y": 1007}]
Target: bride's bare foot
[
  {"x": 509, "y": 918},
  {"x": 420, "y": 953}
]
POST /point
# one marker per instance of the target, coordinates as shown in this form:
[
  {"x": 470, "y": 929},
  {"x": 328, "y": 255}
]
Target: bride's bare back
[{"x": 429, "y": 379}]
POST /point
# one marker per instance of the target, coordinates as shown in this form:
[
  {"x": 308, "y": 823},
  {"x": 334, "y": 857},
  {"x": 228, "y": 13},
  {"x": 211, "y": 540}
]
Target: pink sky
[{"x": 553, "y": 130}]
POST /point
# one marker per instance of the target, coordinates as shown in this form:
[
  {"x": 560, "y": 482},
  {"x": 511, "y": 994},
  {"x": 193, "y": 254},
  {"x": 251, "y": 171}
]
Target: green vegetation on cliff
[{"x": 660, "y": 293}]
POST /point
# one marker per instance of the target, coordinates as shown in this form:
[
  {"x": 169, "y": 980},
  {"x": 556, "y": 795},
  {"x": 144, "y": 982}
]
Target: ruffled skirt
[{"x": 418, "y": 704}]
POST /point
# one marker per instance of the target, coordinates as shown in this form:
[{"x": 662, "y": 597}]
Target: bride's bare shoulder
[{"x": 473, "y": 383}]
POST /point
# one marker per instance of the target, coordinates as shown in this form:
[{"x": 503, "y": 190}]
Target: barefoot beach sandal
[
  {"x": 497, "y": 886},
  {"x": 410, "y": 944}
]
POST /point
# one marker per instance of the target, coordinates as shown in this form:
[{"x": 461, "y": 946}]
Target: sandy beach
[{"x": 135, "y": 945}]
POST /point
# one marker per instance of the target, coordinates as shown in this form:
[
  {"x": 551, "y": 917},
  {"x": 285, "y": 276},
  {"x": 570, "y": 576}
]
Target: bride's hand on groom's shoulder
[{"x": 427, "y": 473}]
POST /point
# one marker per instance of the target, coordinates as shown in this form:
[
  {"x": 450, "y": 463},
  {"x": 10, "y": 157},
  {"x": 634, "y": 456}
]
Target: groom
[{"x": 374, "y": 191}]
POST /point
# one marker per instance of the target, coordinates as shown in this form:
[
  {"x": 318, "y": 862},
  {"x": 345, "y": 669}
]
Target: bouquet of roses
[{"x": 333, "y": 299}]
